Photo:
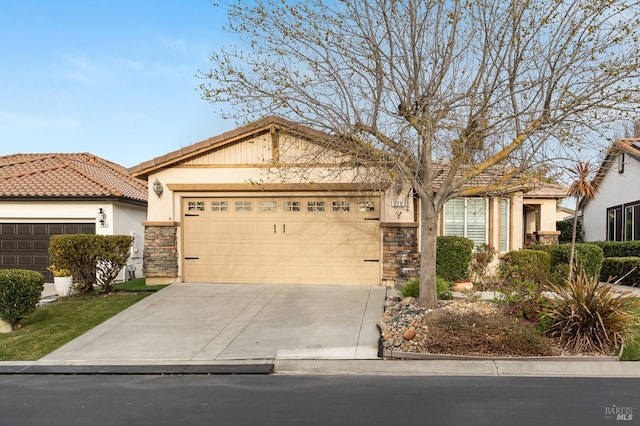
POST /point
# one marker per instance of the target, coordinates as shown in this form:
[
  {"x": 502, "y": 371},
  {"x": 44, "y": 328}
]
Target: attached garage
[
  {"x": 26, "y": 245},
  {"x": 295, "y": 239},
  {"x": 267, "y": 203}
]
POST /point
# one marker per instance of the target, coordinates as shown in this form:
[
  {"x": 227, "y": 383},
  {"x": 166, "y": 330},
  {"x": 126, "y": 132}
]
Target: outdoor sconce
[
  {"x": 102, "y": 218},
  {"x": 157, "y": 187}
]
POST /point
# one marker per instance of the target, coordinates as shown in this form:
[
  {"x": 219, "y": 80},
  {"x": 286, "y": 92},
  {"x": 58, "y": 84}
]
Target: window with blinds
[
  {"x": 467, "y": 217},
  {"x": 505, "y": 213}
]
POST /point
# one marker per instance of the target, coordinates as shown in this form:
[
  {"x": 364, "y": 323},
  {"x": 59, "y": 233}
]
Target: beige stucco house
[{"x": 222, "y": 210}]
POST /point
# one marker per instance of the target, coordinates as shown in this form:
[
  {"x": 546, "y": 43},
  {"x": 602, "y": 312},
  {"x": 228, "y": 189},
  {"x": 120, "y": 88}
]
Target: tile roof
[
  {"x": 534, "y": 188},
  {"x": 78, "y": 175}
]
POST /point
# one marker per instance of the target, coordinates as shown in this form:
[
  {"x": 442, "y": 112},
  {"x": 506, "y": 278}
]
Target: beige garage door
[{"x": 302, "y": 240}]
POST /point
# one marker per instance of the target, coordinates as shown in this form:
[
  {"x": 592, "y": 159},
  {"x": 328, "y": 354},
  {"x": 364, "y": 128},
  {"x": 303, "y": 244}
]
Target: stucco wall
[
  {"x": 615, "y": 189},
  {"x": 397, "y": 204},
  {"x": 121, "y": 219}
]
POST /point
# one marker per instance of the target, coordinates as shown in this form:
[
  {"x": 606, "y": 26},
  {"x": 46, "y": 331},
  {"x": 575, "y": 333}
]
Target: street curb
[{"x": 158, "y": 369}]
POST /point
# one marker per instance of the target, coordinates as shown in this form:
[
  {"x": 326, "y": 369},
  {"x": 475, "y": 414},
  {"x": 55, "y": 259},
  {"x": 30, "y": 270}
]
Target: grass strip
[{"x": 57, "y": 323}]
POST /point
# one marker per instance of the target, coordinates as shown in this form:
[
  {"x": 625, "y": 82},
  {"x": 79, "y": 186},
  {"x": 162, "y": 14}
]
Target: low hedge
[
  {"x": 566, "y": 231},
  {"x": 587, "y": 256},
  {"x": 453, "y": 257},
  {"x": 20, "y": 292},
  {"x": 616, "y": 267},
  {"x": 619, "y": 248}
]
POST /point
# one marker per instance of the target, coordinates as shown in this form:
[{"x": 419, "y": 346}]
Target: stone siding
[
  {"x": 160, "y": 261},
  {"x": 400, "y": 256}
]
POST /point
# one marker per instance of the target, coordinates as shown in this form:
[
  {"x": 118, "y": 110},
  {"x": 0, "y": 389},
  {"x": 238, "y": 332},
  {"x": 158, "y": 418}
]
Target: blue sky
[{"x": 115, "y": 78}]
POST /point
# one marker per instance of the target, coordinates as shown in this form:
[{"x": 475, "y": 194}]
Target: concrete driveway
[{"x": 213, "y": 322}]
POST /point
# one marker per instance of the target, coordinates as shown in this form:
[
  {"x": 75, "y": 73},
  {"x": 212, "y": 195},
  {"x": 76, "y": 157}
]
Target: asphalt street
[{"x": 315, "y": 400}]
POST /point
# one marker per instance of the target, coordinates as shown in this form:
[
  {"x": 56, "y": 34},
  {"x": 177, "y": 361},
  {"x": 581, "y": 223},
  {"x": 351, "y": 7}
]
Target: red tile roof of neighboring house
[{"x": 80, "y": 175}]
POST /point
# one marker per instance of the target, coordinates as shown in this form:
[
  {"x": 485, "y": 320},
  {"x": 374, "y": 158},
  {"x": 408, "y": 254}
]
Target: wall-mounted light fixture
[
  {"x": 102, "y": 218},
  {"x": 157, "y": 187}
]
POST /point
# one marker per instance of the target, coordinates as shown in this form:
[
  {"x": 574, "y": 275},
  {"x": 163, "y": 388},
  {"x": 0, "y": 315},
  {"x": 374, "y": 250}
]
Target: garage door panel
[
  {"x": 40, "y": 245},
  {"x": 8, "y": 245},
  {"x": 310, "y": 243},
  {"x": 9, "y": 261},
  {"x": 25, "y": 245}
]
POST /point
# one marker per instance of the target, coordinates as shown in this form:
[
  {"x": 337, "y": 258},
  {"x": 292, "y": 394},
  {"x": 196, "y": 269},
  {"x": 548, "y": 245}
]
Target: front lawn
[
  {"x": 57, "y": 323},
  {"x": 632, "y": 347}
]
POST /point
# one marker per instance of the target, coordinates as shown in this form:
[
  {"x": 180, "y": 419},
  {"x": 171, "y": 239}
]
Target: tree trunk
[
  {"x": 428, "y": 237},
  {"x": 573, "y": 239}
]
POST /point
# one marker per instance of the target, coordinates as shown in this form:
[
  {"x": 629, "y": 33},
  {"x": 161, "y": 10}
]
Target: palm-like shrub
[{"x": 588, "y": 317}]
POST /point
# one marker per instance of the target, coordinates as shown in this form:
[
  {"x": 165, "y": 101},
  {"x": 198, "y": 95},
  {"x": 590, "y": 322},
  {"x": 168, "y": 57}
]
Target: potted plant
[{"x": 62, "y": 280}]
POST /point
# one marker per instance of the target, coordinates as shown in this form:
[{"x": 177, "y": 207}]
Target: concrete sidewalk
[
  {"x": 186, "y": 323},
  {"x": 242, "y": 329}
]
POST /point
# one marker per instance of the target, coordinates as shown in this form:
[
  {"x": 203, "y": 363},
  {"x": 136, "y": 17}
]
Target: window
[
  {"x": 340, "y": 206},
  {"x": 292, "y": 206},
  {"x": 366, "y": 206},
  {"x": 621, "y": 163},
  {"x": 466, "y": 217},
  {"x": 614, "y": 223},
  {"x": 243, "y": 206},
  {"x": 632, "y": 221},
  {"x": 194, "y": 206},
  {"x": 219, "y": 206},
  {"x": 315, "y": 206},
  {"x": 505, "y": 213},
  {"x": 267, "y": 206}
]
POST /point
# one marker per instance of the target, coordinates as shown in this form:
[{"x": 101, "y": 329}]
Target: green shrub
[
  {"x": 453, "y": 257},
  {"x": 588, "y": 317},
  {"x": 614, "y": 268},
  {"x": 619, "y": 248},
  {"x": 412, "y": 289},
  {"x": 587, "y": 256},
  {"x": 92, "y": 259},
  {"x": 113, "y": 252},
  {"x": 559, "y": 274},
  {"x": 526, "y": 265},
  {"x": 566, "y": 229},
  {"x": 524, "y": 276},
  {"x": 443, "y": 289},
  {"x": 20, "y": 292}
]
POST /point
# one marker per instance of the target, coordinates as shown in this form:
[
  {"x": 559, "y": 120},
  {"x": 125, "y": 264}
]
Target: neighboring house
[
  {"x": 564, "y": 213},
  {"x": 46, "y": 194},
  {"x": 614, "y": 213},
  {"x": 224, "y": 212}
]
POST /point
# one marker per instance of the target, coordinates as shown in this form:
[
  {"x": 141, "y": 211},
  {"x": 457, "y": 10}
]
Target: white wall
[
  {"x": 615, "y": 189},
  {"x": 121, "y": 219},
  {"x": 128, "y": 220}
]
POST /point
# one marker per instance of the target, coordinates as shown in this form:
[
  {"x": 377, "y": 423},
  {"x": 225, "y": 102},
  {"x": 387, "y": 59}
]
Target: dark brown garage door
[{"x": 26, "y": 245}]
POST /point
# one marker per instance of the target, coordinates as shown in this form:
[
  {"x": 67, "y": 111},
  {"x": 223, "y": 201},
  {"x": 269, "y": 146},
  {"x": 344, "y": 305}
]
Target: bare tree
[{"x": 434, "y": 92}]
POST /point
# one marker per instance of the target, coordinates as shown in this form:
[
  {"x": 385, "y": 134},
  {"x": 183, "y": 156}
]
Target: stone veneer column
[
  {"x": 400, "y": 256},
  {"x": 160, "y": 260},
  {"x": 547, "y": 237}
]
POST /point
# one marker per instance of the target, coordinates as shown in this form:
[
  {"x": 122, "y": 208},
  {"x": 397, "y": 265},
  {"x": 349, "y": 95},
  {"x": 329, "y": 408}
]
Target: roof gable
[
  {"x": 258, "y": 131},
  {"x": 253, "y": 144},
  {"x": 78, "y": 175},
  {"x": 630, "y": 146}
]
